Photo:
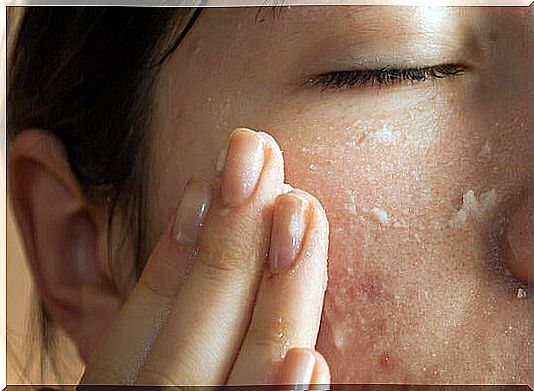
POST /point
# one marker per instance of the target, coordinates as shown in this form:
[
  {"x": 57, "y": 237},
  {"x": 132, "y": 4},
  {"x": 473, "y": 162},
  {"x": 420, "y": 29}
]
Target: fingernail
[
  {"x": 242, "y": 168},
  {"x": 191, "y": 212},
  {"x": 289, "y": 226},
  {"x": 297, "y": 368}
]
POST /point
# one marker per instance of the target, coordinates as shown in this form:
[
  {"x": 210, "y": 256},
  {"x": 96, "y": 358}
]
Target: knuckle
[
  {"x": 159, "y": 291},
  {"x": 153, "y": 377},
  {"x": 219, "y": 264},
  {"x": 270, "y": 337}
]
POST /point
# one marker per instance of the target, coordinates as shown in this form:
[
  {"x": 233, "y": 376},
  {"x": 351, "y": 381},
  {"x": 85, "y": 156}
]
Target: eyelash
[{"x": 385, "y": 76}]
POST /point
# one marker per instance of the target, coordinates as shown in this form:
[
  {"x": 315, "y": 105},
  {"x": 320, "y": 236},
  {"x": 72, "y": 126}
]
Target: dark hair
[{"x": 86, "y": 74}]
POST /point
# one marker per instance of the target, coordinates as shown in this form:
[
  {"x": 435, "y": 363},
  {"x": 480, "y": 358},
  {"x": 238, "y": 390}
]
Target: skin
[
  {"x": 417, "y": 182},
  {"x": 420, "y": 301}
]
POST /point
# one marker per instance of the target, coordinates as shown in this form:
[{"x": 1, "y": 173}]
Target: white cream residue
[
  {"x": 339, "y": 336},
  {"x": 350, "y": 271},
  {"x": 473, "y": 207},
  {"x": 381, "y": 215},
  {"x": 385, "y": 135},
  {"x": 400, "y": 224},
  {"x": 484, "y": 156},
  {"x": 521, "y": 293},
  {"x": 350, "y": 203}
]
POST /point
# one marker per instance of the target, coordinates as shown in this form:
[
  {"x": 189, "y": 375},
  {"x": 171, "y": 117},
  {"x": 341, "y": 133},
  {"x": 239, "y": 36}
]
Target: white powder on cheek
[
  {"x": 521, "y": 293},
  {"x": 400, "y": 224},
  {"x": 484, "y": 156},
  {"x": 350, "y": 204},
  {"x": 339, "y": 335},
  {"x": 385, "y": 135},
  {"x": 350, "y": 271},
  {"x": 339, "y": 341},
  {"x": 471, "y": 207},
  {"x": 380, "y": 214}
]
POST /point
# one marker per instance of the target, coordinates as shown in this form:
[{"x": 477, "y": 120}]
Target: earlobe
[{"x": 61, "y": 233}]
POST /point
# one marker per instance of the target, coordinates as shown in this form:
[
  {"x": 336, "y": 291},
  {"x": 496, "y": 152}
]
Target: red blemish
[
  {"x": 385, "y": 360},
  {"x": 367, "y": 287},
  {"x": 372, "y": 288}
]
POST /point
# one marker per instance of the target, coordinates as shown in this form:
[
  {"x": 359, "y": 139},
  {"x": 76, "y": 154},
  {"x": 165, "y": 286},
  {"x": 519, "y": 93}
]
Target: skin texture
[
  {"x": 417, "y": 290},
  {"x": 423, "y": 184}
]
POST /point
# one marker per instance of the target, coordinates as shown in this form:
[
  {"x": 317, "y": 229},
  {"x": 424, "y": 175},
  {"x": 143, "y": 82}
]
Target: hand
[{"x": 236, "y": 281}]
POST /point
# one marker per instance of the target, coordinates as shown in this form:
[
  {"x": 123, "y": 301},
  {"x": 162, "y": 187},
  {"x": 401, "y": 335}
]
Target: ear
[{"x": 64, "y": 236}]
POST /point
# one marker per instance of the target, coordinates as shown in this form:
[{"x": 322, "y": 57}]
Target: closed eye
[{"x": 385, "y": 76}]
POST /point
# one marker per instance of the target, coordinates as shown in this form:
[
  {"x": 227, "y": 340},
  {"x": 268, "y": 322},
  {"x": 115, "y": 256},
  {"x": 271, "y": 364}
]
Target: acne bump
[
  {"x": 369, "y": 287},
  {"x": 385, "y": 360}
]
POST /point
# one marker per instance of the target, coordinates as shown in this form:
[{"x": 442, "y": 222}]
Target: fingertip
[
  {"x": 298, "y": 367},
  {"x": 315, "y": 208},
  {"x": 273, "y": 147},
  {"x": 305, "y": 366},
  {"x": 321, "y": 371}
]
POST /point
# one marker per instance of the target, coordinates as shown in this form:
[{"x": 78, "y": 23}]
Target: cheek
[
  {"x": 401, "y": 193},
  {"x": 371, "y": 178}
]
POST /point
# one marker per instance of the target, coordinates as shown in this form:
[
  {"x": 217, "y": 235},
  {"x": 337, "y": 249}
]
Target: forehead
[
  {"x": 377, "y": 27},
  {"x": 344, "y": 36},
  {"x": 336, "y": 15}
]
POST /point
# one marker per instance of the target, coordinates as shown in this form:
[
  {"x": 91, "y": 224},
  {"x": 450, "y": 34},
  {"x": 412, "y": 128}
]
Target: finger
[
  {"x": 303, "y": 369},
  {"x": 123, "y": 350},
  {"x": 199, "y": 342},
  {"x": 296, "y": 370},
  {"x": 321, "y": 373},
  {"x": 290, "y": 299}
]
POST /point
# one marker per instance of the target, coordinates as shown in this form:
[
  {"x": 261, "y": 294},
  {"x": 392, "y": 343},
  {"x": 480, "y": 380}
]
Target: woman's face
[{"x": 417, "y": 179}]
